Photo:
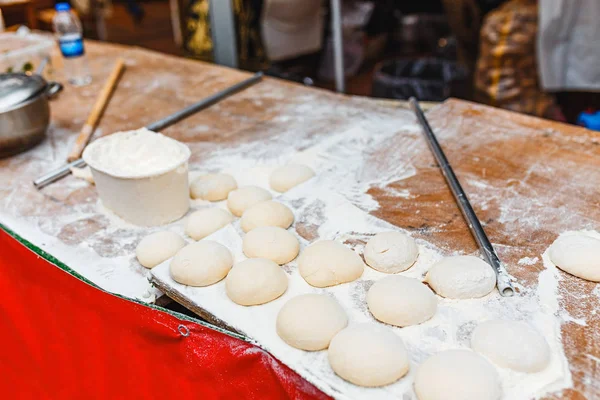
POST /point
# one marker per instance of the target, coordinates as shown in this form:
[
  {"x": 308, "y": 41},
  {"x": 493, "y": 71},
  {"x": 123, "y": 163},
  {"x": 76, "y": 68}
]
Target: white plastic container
[
  {"x": 23, "y": 52},
  {"x": 145, "y": 184}
]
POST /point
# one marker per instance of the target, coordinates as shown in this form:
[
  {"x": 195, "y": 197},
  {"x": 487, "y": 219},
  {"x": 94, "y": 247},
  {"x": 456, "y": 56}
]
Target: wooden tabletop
[{"x": 541, "y": 178}]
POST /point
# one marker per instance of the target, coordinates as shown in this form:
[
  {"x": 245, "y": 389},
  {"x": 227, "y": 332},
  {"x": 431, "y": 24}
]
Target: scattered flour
[
  {"x": 528, "y": 261},
  {"x": 135, "y": 154},
  {"x": 333, "y": 205},
  {"x": 323, "y": 213}
]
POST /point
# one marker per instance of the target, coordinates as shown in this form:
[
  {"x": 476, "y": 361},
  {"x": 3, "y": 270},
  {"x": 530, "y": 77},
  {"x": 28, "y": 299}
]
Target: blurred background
[{"x": 532, "y": 56}]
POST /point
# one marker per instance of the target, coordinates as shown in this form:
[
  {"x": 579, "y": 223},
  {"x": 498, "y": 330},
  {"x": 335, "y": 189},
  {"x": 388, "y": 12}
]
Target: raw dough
[
  {"x": 391, "y": 252},
  {"x": 328, "y": 263},
  {"x": 401, "y": 301},
  {"x": 158, "y": 247},
  {"x": 203, "y": 222},
  {"x": 245, "y": 197},
  {"x": 271, "y": 242},
  {"x": 267, "y": 213},
  {"x": 578, "y": 255},
  {"x": 201, "y": 264},
  {"x": 511, "y": 344},
  {"x": 84, "y": 173},
  {"x": 212, "y": 187},
  {"x": 255, "y": 281},
  {"x": 310, "y": 321},
  {"x": 286, "y": 177},
  {"x": 461, "y": 277},
  {"x": 457, "y": 375},
  {"x": 368, "y": 355}
]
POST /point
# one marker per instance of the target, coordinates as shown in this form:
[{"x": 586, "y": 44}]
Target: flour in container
[{"x": 135, "y": 154}]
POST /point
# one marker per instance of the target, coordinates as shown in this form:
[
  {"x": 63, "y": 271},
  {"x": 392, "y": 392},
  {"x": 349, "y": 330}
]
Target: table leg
[
  {"x": 176, "y": 22},
  {"x": 222, "y": 27},
  {"x": 31, "y": 17},
  {"x": 338, "y": 46}
]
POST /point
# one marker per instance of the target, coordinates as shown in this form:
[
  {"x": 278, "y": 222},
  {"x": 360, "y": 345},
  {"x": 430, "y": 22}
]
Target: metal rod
[
  {"x": 338, "y": 45},
  {"x": 502, "y": 281},
  {"x": 42, "y": 65},
  {"x": 65, "y": 170},
  {"x": 57, "y": 174}
]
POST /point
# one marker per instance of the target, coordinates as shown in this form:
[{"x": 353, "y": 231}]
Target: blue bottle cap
[{"x": 62, "y": 7}]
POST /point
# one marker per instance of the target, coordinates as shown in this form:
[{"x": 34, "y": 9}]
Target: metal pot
[{"x": 24, "y": 111}]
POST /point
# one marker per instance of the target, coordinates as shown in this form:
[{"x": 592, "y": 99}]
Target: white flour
[
  {"x": 135, "y": 154},
  {"x": 344, "y": 145},
  {"x": 321, "y": 206}
]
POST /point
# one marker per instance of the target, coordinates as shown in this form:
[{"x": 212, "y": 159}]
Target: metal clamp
[{"x": 183, "y": 330}]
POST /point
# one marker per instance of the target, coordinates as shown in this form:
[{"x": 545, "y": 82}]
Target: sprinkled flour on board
[
  {"x": 67, "y": 219},
  {"x": 323, "y": 211},
  {"x": 343, "y": 144}
]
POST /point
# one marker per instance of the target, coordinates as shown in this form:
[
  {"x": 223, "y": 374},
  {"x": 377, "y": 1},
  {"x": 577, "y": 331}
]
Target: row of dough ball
[
  {"x": 267, "y": 244},
  {"x": 257, "y": 280},
  {"x": 327, "y": 263},
  {"x": 252, "y": 203},
  {"x": 417, "y": 304},
  {"x": 217, "y": 187},
  {"x": 372, "y": 355}
]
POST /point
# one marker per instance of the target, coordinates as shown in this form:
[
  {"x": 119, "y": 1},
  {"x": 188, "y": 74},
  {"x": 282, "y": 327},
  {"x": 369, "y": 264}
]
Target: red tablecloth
[{"x": 63, "y": 338}]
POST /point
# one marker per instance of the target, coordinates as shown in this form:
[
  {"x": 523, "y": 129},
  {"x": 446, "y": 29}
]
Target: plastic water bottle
[{"x": 67, "y": 29}]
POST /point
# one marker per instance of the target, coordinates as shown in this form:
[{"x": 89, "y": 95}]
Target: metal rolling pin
[
  {"x": 65, "y": 170},
  {"x": 502, "y": 281}
]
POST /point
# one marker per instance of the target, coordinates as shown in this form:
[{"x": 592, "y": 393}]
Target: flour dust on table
[
  {"x": 326, "y": 215},
  {"x": 511, "y": 344},
  {"x": 334, "y": 205}
]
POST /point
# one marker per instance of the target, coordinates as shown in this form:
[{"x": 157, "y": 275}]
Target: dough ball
[
  {"x": 368, "y": 355},
  {"x": 391, "y": 252},
  {"x": 267, "y": 213},
  {"x": 511, "y": 344},
  {"x": 286, "y": 177},
  {"x": 310, "y": 321},
  {"x": 401, "y": 301},
  {"x": 457, "y": 375},
  {"x": 212, "y": 187},
  {"x": 158, "y": 247},
  {"x": 271, "y": 242},
  {"x": 329, "y": 263},
  {"x": 84, "y": 173},
  {"x": 245, "y": 197},
  {"x": 255, "y": 281},
  {"x": 201, "y": 264},
  {"x": 461, "y": 277},
  {"x": 578, "y": 255},
  {"x": 203, "y": 222}
]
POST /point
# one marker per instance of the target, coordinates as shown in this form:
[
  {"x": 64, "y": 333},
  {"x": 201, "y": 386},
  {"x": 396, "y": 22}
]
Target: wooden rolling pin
[{"x": 96, "y": 114}]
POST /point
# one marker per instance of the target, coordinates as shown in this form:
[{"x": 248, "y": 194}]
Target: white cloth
[
  {"x": 291, "y": 28},
  {"x": 569, "y": 44}
]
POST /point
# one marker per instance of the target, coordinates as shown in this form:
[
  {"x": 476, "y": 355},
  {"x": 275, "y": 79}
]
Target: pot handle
[{"x": 53, "y": 89}]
